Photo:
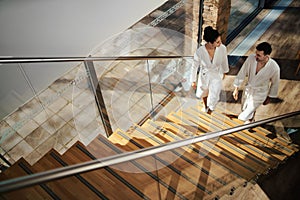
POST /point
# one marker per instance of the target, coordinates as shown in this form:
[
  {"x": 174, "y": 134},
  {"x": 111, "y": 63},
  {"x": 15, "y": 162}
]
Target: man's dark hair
[
  {"x": 210, "y": 34},
  {"x": 265, "y": 47}
]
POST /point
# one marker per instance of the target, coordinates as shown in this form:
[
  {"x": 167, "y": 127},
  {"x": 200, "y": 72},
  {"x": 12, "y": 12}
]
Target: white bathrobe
[
  {"x": 210, "y": 74},
  {"x": 258, "y": 87}
]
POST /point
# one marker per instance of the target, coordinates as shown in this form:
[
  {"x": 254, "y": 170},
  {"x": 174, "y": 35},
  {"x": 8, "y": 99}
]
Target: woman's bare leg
[{"x": 205, "y": 102}]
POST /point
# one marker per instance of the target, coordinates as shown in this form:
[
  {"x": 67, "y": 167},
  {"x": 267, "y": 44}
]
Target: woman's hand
[
  {"x": 194, "y": 85},
  {"x": 223, "y": 76},
  {"x": 235, "y": 93}
]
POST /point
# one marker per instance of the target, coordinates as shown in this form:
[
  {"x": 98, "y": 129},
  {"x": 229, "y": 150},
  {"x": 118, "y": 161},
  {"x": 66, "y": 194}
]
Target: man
[{"x": 263, "y": 80}]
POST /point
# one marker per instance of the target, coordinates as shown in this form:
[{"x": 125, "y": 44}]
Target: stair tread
[
  {"x": 226, "y": 146},
  {"x": 243, "y": 141},
  {"x": 214, "y": 169},
  {"x": 136, "y": 173},
  {"x": 226, "y": 160},
  {"x": 207, "y": 169},
  {"x": 70, "y": 187},
  {"x": 262, "y": 131},
  {"x": 170, "y": 164},
  {"x": 258, "y": 133},
  {"x": 109, "y": 181},
  {"x": 36, "y": 192}
]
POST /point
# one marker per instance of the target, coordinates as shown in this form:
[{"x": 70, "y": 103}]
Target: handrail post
[{"x": 95, "y": 86}]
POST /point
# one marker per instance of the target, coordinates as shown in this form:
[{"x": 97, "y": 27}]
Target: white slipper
[{"x": 204, "y": 109}]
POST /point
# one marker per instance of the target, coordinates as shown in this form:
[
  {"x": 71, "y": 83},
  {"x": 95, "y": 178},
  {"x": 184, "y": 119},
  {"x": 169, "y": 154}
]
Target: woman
[{"x": 213, "y": 63}]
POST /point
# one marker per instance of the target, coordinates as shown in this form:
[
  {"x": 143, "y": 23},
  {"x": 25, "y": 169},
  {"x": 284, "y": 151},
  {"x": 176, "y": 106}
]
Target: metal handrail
[
  {"x": 8, "y": 60},
  {"x": 38, "y": 178}
]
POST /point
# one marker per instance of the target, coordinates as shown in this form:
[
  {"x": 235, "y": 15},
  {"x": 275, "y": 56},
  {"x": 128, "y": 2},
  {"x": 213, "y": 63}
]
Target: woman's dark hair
[
  {"x": 210, "y": 34},
  {"x": 265, "y": 47}
]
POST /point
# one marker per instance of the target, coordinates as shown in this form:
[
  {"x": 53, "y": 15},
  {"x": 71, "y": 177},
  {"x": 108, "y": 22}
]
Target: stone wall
[{"x": 216, "y": 14}]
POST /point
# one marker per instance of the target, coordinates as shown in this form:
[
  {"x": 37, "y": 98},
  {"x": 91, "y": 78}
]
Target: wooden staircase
[{"x": 209, "y": 169}]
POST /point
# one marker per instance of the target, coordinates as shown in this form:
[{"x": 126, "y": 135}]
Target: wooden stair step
[
  {"x": 182, "y": 132},
  {"x": 175, "y": 136},
  {"x": 121, "y": 170},
  {"x": 224, "y": 145},
  {"x": 181, "y": 138},
  {"x": 104, "y": 180},
  {"x": 201, "y": 128},
  {"x": 97, "y": 144},
  {"x": 281, "y": 150},
  {"x": 286, "y": 143},
  {"x": 230, "y": 161},
  {"x": 214, "y": 170},
  {"x": 239, "y": 140},
  {"x": 288, "y": 146},
  {"x": 278, "y": 141},
  {"x": 171, "y": 165},
  {"x": 114, "y": 142},
  {"x": 32, "y": 192},
  {"x": 183, "y": 155},
  {"x": 137, "y": 174},
  {"x": 247, "y": 142},
  {"x": 69, "y": 187},
  {"x": 14, "y": 171},
  {"x": 260, "y": 130}
]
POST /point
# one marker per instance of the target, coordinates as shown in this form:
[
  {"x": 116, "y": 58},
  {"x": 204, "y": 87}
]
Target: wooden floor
[{"x": 283, "y": 35}]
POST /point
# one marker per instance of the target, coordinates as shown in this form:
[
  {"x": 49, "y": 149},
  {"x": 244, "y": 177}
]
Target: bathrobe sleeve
[
  {"x": 244, "y": 71},
  {"x": 275, "y": 78},
  {"x": 196, "y": 64},
  {"x": 224, "y": 65}
]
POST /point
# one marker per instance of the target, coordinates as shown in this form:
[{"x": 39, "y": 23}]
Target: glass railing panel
[
  {"x": 54, "y": 112},
  {"x": 179, "y": 173},
  {"x": 285, "y": 129},
  {"x": 11, "y": 76},
  {"x": 15, "y": 121},
  {"x": 175, "y": 78},
  {"x": 67, "y": 111},
  {"x": 126, "y": 83},
  {"x": 118, "y": 85},
  {"x": 240, "y": 10},
  {"x": 266, "y": 147},
  {"x": 136, "y": 179},
  {"x": 132, "y": 90},
  {"x": 245, "y": 154},
  {"x": 195, "y": 172},
  {"x": 184, "y": 173},
  {"x": 166, "y": 78},
  {"x": 212, "y": 166}
]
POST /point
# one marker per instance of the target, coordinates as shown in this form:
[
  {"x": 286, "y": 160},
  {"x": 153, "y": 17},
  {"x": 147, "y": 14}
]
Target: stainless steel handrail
[
  {"x": 7, "y": 60},
  {"x": 38, "y": 178}
]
